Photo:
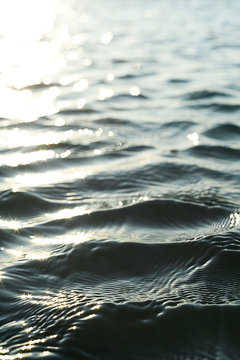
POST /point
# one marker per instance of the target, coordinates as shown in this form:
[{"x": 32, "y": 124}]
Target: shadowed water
[{"x": 119, "y": 180}]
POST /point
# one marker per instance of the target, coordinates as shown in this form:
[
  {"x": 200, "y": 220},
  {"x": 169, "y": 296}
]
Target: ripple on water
[
  {"x": 119, "y": 192},
  {"x": 204, "y": 94},
  {"x": 226, "y": 132},
  {"x": 156, "y": 299},
  {"x": 222, "y": 152},
  {"x": 158, "y": 214}
]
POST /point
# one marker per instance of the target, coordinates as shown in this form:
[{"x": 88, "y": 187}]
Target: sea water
[{"x": 119, "y": 179}]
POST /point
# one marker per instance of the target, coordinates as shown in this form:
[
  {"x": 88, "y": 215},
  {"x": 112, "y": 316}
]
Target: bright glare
[
  {"x": 59, "y": 122},
  {"x": 47, "y": 178},
  {"x": 87, "y": 62},
  {"x": 105, "y": 93},
  {"x": 81, "y": 103},
  {"x": 194, "y": 138},
  {"x": 20, "y": 254},
  {"x": 9, "y": 224},
  {"x": 25, "y": 19},
  {"x": 110, "y": 77},
  {"x": 27, "y": 106},
  {"x": 38, "y": 255},
  {"x": 15, "y": 160},
  {"x": 81, "y": 85},
  {"x": 1, "y": 276},
  {"x": 26, "y": 296},
  {"x": 68, "y": 79},
  {"x": 33, "y": 63},
  {"x": 97, "y": 152},
  {"x": 27, "y": 58},
  {"x": 106, "y": 38},
  {"x": 135, "y": 91},
  {"x": 235, "y": 219},
  {"x": 3, "y": 351},
  {"x": 28, "y": 330},
  {"x": 17, "y": 138},
  {"x": 69, "y": 213},
  {"x": 79, "y": 39},
  {"x": 76, "y": 238}
]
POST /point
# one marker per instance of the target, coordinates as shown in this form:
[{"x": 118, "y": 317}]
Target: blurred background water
[{"x": 119, "y": 179}]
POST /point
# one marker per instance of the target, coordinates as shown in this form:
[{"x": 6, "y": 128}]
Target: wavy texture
[{"x": 119, "y": 192}]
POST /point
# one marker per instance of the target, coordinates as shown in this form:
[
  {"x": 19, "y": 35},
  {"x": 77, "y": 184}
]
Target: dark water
[{"x": 120, "y": 192}]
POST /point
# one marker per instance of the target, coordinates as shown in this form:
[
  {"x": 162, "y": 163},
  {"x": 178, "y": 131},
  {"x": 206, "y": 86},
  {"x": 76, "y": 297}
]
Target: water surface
[{"x": 119, "y": 169}]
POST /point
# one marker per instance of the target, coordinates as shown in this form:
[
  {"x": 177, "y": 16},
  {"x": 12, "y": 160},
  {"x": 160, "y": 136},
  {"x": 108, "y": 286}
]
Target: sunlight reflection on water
[
  {"x": 27, "y": 58},
  {"x": 49, "y": 177},
  {"x": 115, "y": 119}
]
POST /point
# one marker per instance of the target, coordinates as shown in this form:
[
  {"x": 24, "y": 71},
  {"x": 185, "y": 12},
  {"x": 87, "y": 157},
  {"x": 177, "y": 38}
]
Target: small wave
[
  {"x": 168, "y": 214},
  {"x": 103, "y": 261},
  {"x": 119, "y": 61},
  {"x": 116, "y": 122},
  {"x": 38, "y": 86},
  {"x": 178, "y": 81},
  {"x": 138, "y": 179},
  {"x": 218, "y": 152},
  {"x": 161, "y": 272},
  {"x": 224, "y": 132},
  {"x": 151, "y": 175},
  {"x": 7, "y": 172},
  {"x": 204, "y": 94},
  {"x": 123, "y": 96},
  {"x": 128, "y": 76},
  {"x": 133, "y": 294},
  {"x": 66, "y": 154},
  {"x": 15, "y": 205},
  {"x": 217, "y": 282},
  {"x": 185, "y": 124},
  {"x": 8, "y": 237},
  {"x": 129, "y": 331},
  {"x": 179, "y": 125},
  {"x": 75, "y": 111},
  {"x": 219, "y": 107},
  {"x": 133, "y": 76}
]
